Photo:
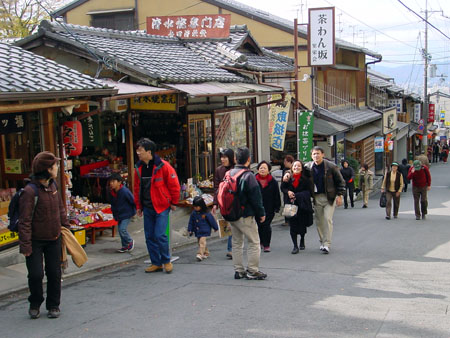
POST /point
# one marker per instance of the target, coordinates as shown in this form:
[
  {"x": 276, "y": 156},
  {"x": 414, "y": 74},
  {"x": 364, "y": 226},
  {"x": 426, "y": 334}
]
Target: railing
[
  {"x": 331, "y": 98},
  {"x": 378, "y": 98}
]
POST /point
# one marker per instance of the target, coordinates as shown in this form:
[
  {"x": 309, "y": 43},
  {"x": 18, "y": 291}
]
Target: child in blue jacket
[
  {"x": 123, "y": 208},
  {"x": 200, "y": 223}
]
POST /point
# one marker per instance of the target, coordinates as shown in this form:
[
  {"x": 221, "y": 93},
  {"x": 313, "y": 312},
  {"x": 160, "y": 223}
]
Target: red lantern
[{"x": 73, "y": 138}]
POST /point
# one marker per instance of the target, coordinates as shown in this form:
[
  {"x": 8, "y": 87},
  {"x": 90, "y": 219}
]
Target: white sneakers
[{"x": 324, "y": 249}]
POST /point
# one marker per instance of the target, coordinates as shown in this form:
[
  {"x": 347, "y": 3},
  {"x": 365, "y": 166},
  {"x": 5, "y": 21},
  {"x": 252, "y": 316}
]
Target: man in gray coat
[{"x": 329, "y": 187}]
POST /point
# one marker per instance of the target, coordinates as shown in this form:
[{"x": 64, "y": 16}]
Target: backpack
[
  {"x": 228, "y": 198},
  {"x": 13, "y": 210}
]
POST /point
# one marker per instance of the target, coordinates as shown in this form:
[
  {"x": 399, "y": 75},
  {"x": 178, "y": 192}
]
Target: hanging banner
[
  {"x": 417, "y": 111},
  {"x": 73, "y": 137},
  {"x": 379, "y": 144},
  {"x": 397, "y": 103},
  {"x": 190, "y": 26},
  {"x": 321, "y": 40},
  {"x": 305, "y": 134},
  {"x": 431, "y": 112},
  {"x": 12, "y": 123},
  {"x": 92, "y": 136},
  {"x": 278, "y": 119}
]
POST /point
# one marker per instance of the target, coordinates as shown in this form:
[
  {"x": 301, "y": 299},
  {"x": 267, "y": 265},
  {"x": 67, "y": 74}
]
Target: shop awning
[
  {"x": 130, "y": 90},
  {"x": 224, "y": 89},
  {"x": 362, "y": 132},
  {"x": 327, "y": 128},
  {"x": 402, "y": 130}
]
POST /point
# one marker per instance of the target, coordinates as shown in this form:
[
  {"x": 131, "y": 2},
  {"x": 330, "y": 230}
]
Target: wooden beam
[
  {"x": 48, "y": 123},
  {"x": 21, "y": 107},
  {"x": 130, "y": 152}
]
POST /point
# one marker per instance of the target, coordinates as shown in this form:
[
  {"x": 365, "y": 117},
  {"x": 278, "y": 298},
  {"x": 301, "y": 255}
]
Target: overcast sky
[{"x": 383, "y": 26}]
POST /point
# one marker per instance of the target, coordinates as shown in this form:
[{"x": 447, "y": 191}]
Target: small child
[
  {"x": 200, "y": 223},
  {"x": 123, "y": 208}
]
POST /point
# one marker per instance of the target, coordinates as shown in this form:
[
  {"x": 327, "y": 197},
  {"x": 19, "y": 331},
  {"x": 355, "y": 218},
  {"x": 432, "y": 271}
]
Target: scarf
[
  {"x": 264, "y": 181},
  {"x": 296, "y": 181}
]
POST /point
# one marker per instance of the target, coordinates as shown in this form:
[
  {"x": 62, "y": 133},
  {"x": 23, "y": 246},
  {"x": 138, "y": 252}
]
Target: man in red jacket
[
  {"x": 420, "y": 177},
  {"x": 156, "y": 192}
]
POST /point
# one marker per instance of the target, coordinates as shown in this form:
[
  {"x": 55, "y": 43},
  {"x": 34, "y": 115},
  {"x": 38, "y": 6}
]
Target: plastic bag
[{"x": 290, "y": 210}]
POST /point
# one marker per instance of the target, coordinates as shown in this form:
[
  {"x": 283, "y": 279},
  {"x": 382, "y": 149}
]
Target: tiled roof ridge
[
  {"x": 238, "y": 28},
  {"x": 112, "y": 33},
  {"x": 277, "y": 56},
  {"x": 231, "y": 53}
]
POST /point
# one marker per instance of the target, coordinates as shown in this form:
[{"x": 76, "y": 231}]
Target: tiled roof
[
  {"x": 381, "y": 81},
  {"x": 162, "y": 59},
  {"x": 25, "y": 74},
  {"x": 351, "y": 117}
]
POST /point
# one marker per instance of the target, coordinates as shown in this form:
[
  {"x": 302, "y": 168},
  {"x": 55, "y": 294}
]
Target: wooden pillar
[
  {"x": 48, "y": 125},
  {"x": 62, "y": 174},
  {"x": 130, "y": 152},
  {"x": 4, "y": 183}
]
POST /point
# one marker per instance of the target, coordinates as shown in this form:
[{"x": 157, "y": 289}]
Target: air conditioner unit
[{"x": 118, "y": 106}]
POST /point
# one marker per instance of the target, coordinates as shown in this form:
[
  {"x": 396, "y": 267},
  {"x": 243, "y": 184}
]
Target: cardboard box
[
  {"x": 4, "y": 204},
  {"x": 4, "y": 211},
  {"x": 80, "y": 235}
]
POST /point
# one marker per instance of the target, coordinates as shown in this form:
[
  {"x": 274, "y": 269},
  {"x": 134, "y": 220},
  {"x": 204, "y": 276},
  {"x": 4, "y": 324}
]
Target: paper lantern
[{"x": 73, "y": 138}]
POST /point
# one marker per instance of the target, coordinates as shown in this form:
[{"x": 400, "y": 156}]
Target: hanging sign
[
  {"x": 73, "y": 137},
  {"x": 417, "y": 111},
  {"x": 166, "y": 102},
  {"x": 379, "y": 144},
  {"x": 321, "y": 40},
  {"x": 190, "y": 26},
  {"x": 278, "y": 118},
  {"x": 92, "y": 135},
  {"x": 12, "y": 123},
  {"x": 397, "y": 103},
  {"x": 305, "y": 134}
]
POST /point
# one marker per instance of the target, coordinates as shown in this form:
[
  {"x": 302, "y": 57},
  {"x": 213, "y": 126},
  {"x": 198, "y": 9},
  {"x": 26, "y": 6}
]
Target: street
[{"x": 382, "y": 278}]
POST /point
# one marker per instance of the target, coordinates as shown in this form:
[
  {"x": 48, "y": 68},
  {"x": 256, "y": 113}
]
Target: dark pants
[
  {"x": 265, "y": 230},
  {"x": 420, "y": 195},
  {"x": 349, "y": 189},
  {"x": 50, "y": 253},
  {"x": 405, "y": 186},
  {"x": 436, "y": 157},
  {"x": 389, "y": 197}
]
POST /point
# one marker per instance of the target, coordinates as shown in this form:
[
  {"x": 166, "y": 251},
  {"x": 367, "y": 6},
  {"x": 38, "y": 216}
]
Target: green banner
[
  {"x": 92, "y": 136},
  {"x": 305, "y": 126}
]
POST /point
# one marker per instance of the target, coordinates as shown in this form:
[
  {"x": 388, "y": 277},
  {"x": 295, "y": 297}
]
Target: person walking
[
  {"x": 200, "y": 223},
  {"x": 271, "y": 201},
  {"x": 348, "y": 175},
  {"x": 365, "y": 183},
  {"x": 251, "y": 201},
  {"x": 445, "y": 152},
  {"x": 420, "y": 176},
  {"x": 41, "y": 216},
  {"x": 393, "y": 186},
  {"x": 404, "y": 169},
  {"x": 156, "y": 192},
  {"x": 436, "y": 152},
  {"x": 329, "y": 186},
  {"x": 228, "y": 162},
  {"x": 123, "y": 208},
  {"x": 287, "y": 166},
  {"x": 298, "y": 189}
]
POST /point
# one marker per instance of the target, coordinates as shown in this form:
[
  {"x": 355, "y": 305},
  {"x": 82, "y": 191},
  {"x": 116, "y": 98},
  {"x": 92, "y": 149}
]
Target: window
[{"x": 120, "y": 21}]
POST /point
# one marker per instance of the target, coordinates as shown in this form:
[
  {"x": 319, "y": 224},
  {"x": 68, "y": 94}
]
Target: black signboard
[{"x": 12, "y": 123}]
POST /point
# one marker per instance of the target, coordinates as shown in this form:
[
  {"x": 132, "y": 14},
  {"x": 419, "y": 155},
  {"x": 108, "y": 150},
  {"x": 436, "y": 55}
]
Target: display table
[{"x": 100, "y": 226}]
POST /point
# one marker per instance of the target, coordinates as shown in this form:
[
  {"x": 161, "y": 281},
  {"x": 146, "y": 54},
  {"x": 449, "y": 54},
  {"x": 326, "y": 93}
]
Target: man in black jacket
[{"x": 251, "y": 200}]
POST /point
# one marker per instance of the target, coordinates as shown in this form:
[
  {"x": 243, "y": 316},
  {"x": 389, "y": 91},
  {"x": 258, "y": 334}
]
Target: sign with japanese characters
[
  {"x": 167, "y": 102},
  {"x": 321, "y": 40},
  {"x": 379, "y": 144},
  {"x": 73, "y": 137},
  {"x": 389, "y": 120},
  {"x": 190, "y": 26},
  {"x": 431, "y": 112},
  {"x": 397, "y": 103},
  {"x": 92, "y": 135},
  {"x": 278, "y": 119},
  {"x": 305, "y": 134},
  {"x": 12, "y": 123},
  {"x": 417, "y": 111}
]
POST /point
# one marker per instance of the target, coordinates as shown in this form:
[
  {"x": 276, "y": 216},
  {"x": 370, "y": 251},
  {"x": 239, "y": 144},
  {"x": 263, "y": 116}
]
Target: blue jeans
[
  {"x": 123, "y": 232},
  {"x": 230, "y": 243},
  {"x": 155, "y": 236}
]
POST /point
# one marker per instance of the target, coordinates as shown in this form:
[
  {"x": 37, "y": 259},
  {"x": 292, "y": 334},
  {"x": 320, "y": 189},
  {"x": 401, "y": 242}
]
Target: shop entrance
[{"x": 200, "y": 147}]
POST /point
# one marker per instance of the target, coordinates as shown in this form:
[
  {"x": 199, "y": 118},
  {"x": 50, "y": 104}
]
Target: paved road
[{"x": 382, "y": 279}]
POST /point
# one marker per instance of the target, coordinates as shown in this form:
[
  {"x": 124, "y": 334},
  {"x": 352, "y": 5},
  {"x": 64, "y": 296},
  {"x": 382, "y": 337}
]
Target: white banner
[
  {"x": 321, "y": 44},
  {"x": 278, "y": 119}
]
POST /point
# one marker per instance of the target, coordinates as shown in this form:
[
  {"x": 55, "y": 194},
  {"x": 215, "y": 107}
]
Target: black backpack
[{"x": 13, "y": 211}]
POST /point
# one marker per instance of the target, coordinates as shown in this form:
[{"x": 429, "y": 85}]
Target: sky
[{"x": 383, "y": 26}]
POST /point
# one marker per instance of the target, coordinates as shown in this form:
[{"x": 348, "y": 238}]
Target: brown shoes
[
  {"x": 168, "y": 267},
  {"x": 154, "y": 268}
]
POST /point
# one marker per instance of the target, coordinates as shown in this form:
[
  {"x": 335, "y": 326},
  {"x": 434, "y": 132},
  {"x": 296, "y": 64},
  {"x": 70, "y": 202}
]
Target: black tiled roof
[
  {"x": 24, "y": 72},
  {"x": 350, "y": 117}
]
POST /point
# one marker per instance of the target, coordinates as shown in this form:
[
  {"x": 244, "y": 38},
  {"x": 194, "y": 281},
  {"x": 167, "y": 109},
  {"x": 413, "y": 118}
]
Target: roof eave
[{"x": 14, "y": 96}]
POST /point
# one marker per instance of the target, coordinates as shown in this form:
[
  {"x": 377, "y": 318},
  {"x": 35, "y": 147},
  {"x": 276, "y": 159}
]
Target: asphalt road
[{"x": 382, "y": 279}]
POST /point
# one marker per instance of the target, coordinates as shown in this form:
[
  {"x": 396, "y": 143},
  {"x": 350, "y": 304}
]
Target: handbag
[
  {"x": 289, "y": 210},
  {"x": 383, "y": 200}
]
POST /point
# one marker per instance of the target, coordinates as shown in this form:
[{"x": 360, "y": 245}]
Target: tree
[{"x": 20, "y": 18}]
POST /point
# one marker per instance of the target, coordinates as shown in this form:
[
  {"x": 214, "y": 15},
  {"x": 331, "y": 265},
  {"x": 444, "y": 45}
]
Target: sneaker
[
  {"x": 417, "y": 218},
  {"x": 267, "y": 249},
  {"x": 387, "y": 217},
  {"x": 364, "y": 206},
  {"x": 122, "y": 250},
  {"x": 168, "y": 267},
  {"x": 154, "y": 268},
  {"x": 34, "y": 313},
  {"x": 321, "y": 248},
  {"x": 326, "y": 250},
  {"x": 294, "y": 251},
  {"x": 302, "y": 247},
  {"x": 258, "y": 275},
  {"x": 229, "y": 255},
  {"x": 53, "y": 313},
  {"x": 205, "y": 256},
  {"x": 130, "y": 246},
  {"x": 423, "y": 216},
  {"x": 239, "y": 275},
  {"x": 199, "y": 257},
  {"x": 395, "y": 216}
]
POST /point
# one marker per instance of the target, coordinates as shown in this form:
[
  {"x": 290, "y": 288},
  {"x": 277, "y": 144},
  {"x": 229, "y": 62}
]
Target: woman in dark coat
[
  {"x": 349, "y": 177},
  {"x": 298, "y": 190},
  {"x": 271, "y": 201}
]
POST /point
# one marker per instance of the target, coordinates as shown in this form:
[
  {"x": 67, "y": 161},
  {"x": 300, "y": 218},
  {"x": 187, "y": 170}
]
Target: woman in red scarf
[
  {"x": 271, "y": 201},
  {"x": 298, "y": 190}
]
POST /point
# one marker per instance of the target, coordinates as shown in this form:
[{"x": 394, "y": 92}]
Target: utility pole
[{"x": 425, "y": 86}]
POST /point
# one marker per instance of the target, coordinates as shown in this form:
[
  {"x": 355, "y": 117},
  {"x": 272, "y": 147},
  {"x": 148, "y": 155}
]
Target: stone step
[{"x": 11, "y": 256}]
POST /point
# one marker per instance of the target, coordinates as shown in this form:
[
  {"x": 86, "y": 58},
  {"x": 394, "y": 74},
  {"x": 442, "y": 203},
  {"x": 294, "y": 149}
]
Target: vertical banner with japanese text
[
  {"x": 321, "y": 37},
  {"x": 305, "y": 134},
  {"x": 278, "y": 118}
]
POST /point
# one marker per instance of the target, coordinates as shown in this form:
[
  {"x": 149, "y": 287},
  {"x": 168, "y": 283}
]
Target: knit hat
[
  {"x": 417, "y": 165},
  {"x": 43, "y": 161},
  {"x": 394, "y": 163}
]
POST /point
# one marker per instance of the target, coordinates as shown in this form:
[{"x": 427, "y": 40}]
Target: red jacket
[
  {"x": 165, "y": 188},
  {"x": 420, "y": 178}
]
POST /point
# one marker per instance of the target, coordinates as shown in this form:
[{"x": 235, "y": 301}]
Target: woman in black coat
[
  {"x": 349, "y": 177},
  {"x": 298, "y": 190},
  {"x": 271, "y": 201}
]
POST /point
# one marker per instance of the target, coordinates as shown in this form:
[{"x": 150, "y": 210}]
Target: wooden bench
[{"x": 95, "y": 227}]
